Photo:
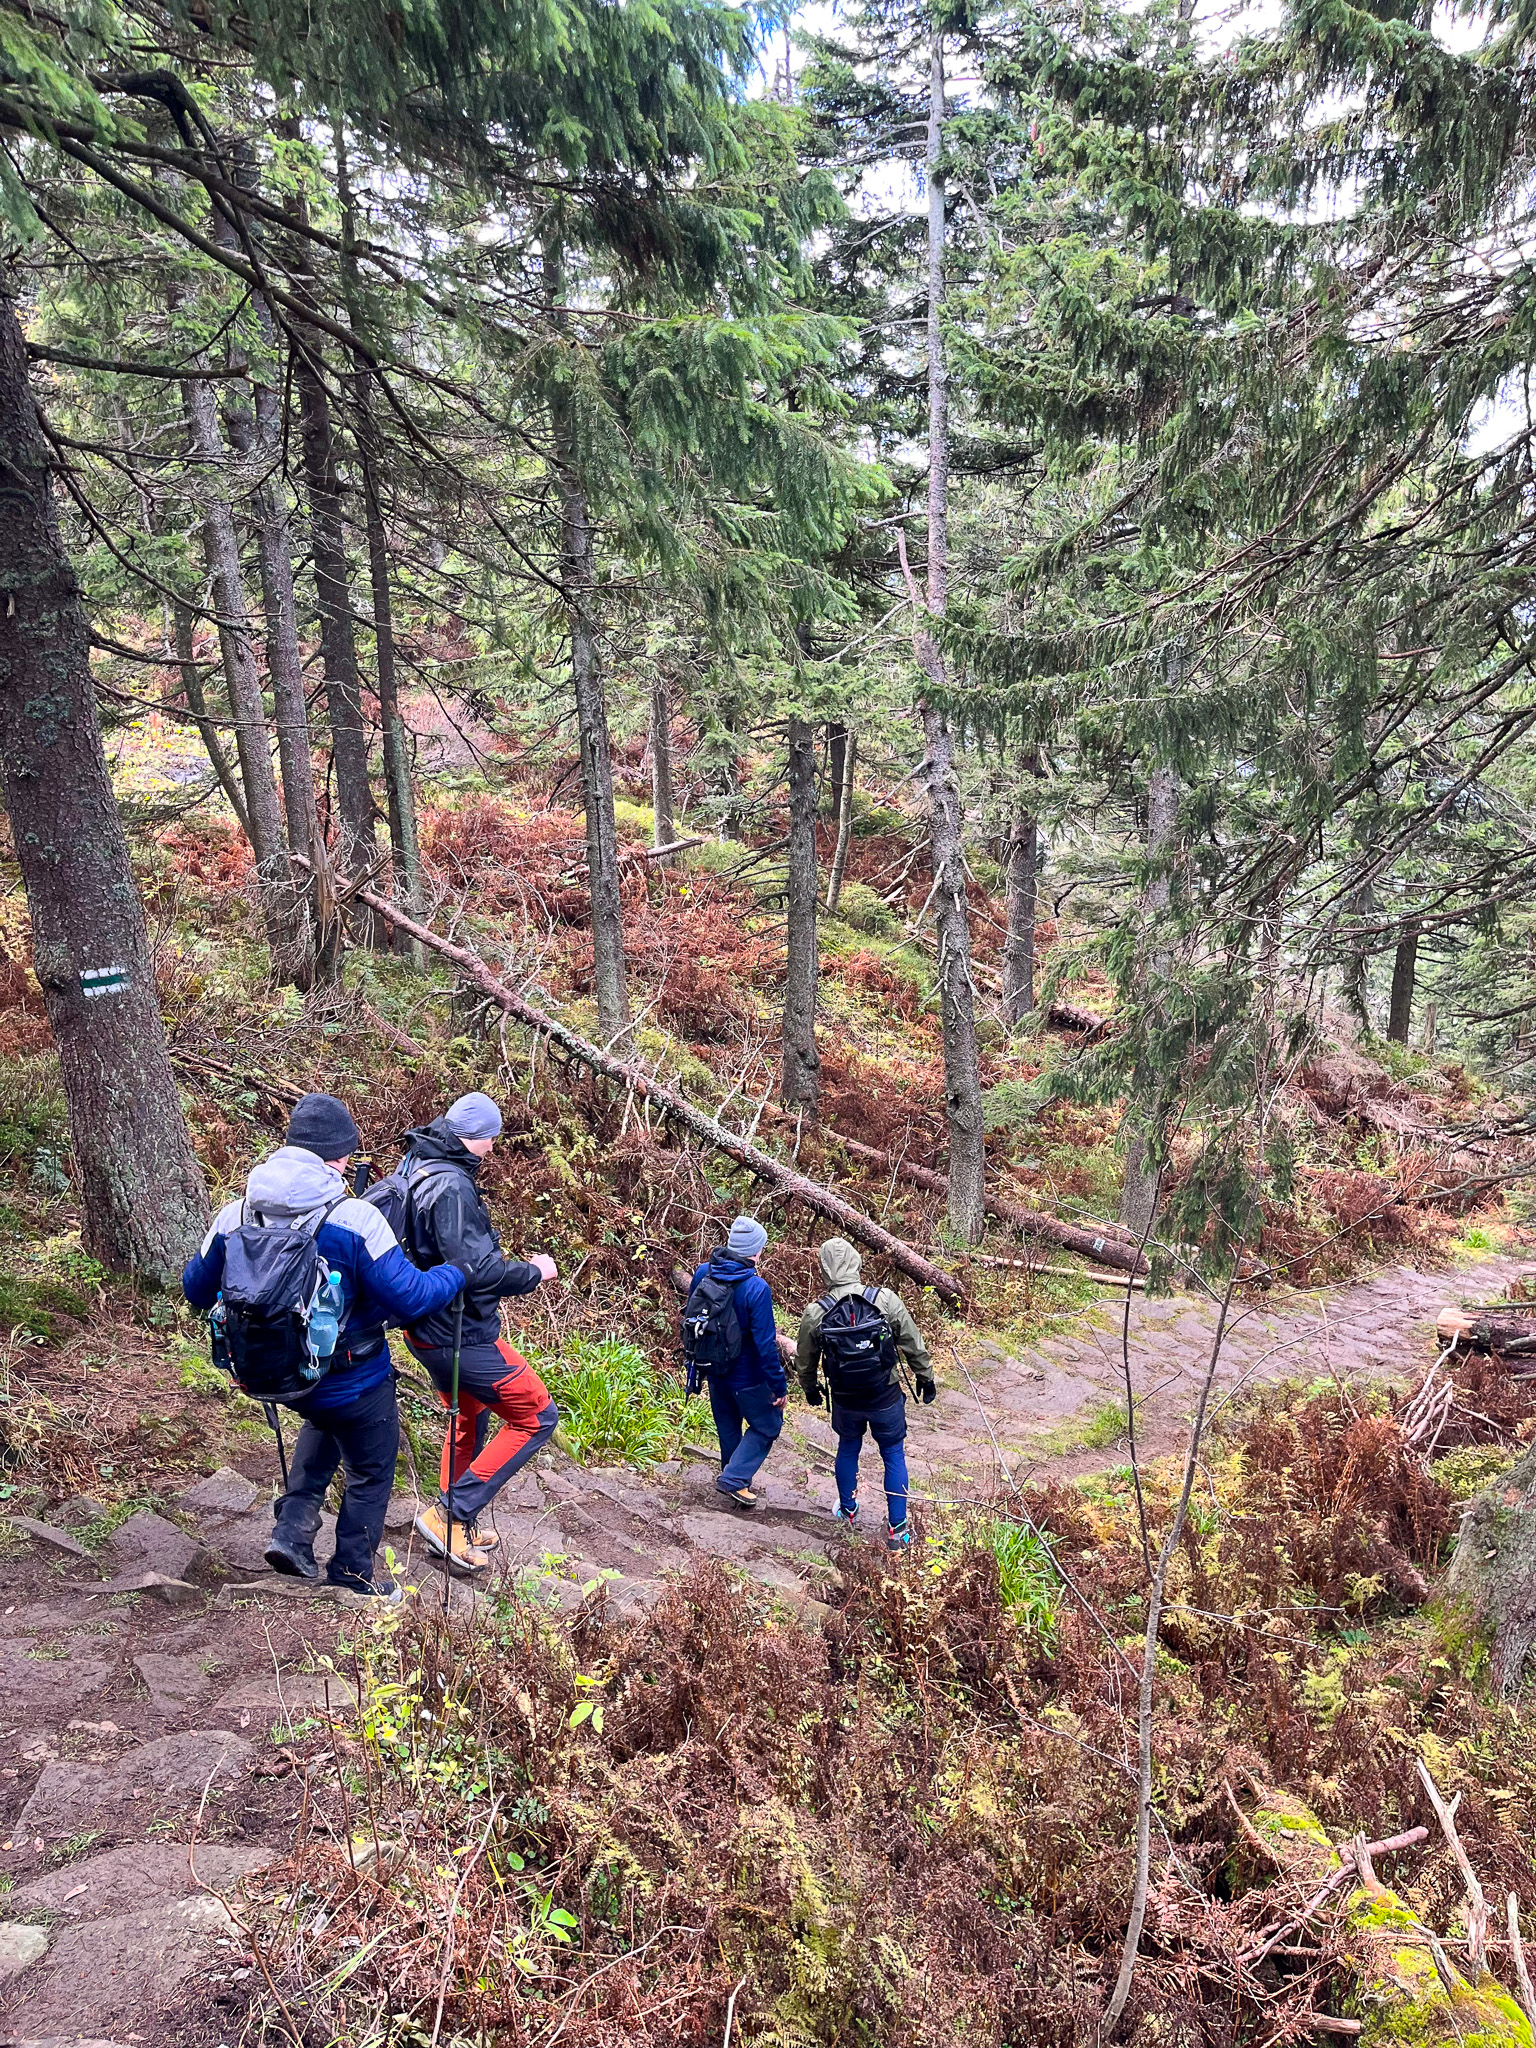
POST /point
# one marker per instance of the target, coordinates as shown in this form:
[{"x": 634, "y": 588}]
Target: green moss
[
  {"x": 633, "y": 817},
  {"x": 867, "y": 911},
  {"x": 1470, "y": 1469},
  {"x": 1296, "y": 1835},
  {"x": 1403, "y": 1998}
]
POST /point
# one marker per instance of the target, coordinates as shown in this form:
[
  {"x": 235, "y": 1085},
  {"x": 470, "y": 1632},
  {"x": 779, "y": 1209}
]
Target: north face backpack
[
  {"x": 275, "y": 1281},
  {"x": 711, "y": 1329},
  {"x": 858, "y": 1352}
]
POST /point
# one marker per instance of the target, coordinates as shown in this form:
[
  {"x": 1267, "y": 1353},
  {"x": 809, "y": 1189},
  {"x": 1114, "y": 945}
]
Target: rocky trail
[{"x": 154, "y": 1691}]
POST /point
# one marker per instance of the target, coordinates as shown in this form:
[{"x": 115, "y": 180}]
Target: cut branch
[
  {"x": 625, "y": 1075},
  {"x": 1112, "y": 1248},
  {"x": 1477, "y": 1904}
]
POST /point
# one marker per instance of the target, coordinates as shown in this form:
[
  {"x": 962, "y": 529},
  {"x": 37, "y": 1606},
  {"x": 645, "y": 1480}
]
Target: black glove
[
  {"x": 927, "y": 1392},
  {"x": 813, "y": 1394}
]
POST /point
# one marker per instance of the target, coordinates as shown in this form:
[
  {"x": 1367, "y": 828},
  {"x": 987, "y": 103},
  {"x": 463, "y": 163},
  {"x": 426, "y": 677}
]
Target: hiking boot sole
[
  {"x": 734, "y": 1500},
  {"x": 288, "y": 1566}
]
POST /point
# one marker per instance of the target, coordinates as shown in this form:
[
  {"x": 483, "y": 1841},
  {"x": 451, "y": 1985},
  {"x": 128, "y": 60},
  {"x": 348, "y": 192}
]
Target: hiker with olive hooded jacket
[
  {"x": 853, "y": 1336},
  {"x": 447, "y": 1220}
]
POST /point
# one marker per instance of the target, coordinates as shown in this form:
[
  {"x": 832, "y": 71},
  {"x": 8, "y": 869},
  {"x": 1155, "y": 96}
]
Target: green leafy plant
[{"x": 616, "y": 1407}]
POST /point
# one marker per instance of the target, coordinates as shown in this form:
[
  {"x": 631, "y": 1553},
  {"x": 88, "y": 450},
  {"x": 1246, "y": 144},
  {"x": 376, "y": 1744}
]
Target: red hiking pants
[{"x": 493, "y": 1380}]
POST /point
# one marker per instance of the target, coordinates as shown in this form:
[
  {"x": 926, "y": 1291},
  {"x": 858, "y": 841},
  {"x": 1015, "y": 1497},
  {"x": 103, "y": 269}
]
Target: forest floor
[{"x": 157, "y": 1737}]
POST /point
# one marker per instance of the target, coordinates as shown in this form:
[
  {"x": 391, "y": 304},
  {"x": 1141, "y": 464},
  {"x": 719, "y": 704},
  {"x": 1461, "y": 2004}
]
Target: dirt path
[{"x": 154, "y": 1692}]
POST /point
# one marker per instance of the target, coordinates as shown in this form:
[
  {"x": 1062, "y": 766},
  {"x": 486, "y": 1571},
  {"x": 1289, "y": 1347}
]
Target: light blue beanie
[{"x": 747, "y": 1237}]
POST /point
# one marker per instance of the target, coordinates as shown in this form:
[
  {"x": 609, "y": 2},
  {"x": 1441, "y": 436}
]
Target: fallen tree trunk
[
  {"x": 1117, "y": 1248},
  {"x": 624, "y": 1074},
  {"x": 1499, "y": 1327}
]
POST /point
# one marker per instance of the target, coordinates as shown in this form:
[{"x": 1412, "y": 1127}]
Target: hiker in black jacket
[{"x": 448, "y": 1222}]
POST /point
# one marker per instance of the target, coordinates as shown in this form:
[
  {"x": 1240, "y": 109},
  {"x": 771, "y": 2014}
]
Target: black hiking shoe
[
  {"x": 739, "y": 1497},
  {"x": 380, "y": 1593},
  {"x": 294, "y": 1560}
]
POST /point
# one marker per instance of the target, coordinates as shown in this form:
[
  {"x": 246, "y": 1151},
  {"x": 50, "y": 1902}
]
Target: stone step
[{"x": 152, "y": 1782}]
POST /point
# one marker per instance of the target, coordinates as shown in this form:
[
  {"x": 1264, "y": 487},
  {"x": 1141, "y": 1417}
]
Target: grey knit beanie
[
  {"x": 474, "y": 1116},
  {"x": 747, "y": 1237}
]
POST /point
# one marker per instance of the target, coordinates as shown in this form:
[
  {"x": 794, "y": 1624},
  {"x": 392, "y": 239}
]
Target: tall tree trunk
[
  {"x": 844, "y": 822},
  {"x": 400, "y": 797},
  {"x": 578, "y": 584},
  {"x": 1405, "y": 964},
  {"x": 957, "y": 993},
  {"x": 663, "y": 816},
  {"x": 197, "y": 703},
  {"x": 1357, "y": 959},
  {"x": 264, "y": 818},
  {"x": 1138, "y": 1196},
  {"x": 800, "y": 1073},
  {"x": 257, "y": 432},
  {"x": 333, "y": 592},
  {"x": 142, "y": 1195},
  {"x": 1019, "y": 944},
  {"x": 837, "y": 761}
]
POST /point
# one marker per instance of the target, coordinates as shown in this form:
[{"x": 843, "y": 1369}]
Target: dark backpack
[
  {"x": 711, "y": 1329},
  {"x": 858, "y": 1352},
  {"x": 260, "y": 1322}
]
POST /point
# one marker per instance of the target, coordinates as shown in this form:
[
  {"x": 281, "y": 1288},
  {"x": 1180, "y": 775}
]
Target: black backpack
[
  {"x": 395, "y": 1199},
  {"x": 260, "y": 1323},
  {"x": 711, "y": 1329},
  {"x": 858, "y": 1352}
]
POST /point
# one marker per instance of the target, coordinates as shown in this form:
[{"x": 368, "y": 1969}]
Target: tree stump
[{"x": 1492, "y": 1575}]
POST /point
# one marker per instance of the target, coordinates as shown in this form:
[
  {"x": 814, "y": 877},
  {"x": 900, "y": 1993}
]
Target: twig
[
  {"x": 458, "y": 1893},
  {"x": 730, "y": 2010},
  {"x": 1250, "y": 1833},
  {"x": 1522, "y": 1973},
  {"x": 1477, "y": 1904},
  {"x": 1347, "y": 1868}
]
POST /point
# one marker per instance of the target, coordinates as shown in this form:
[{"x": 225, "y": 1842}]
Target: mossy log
[{"x": 1492, "y": 1577}]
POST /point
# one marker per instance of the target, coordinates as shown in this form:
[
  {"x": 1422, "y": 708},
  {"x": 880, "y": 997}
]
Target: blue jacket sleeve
[
  {"x": 203, "y": 1275},
  {"x": 403, "y": 1290},
  {"x": 765, "y": 1336}
]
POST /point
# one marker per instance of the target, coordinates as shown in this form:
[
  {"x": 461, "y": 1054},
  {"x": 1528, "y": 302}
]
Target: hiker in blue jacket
[
  {"x": 747, "y": 1397},
  {"x": 351, "y": 1418}
]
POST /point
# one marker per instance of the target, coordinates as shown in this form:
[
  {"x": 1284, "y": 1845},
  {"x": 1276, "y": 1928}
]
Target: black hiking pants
[{"x": 364, "y": 1439}]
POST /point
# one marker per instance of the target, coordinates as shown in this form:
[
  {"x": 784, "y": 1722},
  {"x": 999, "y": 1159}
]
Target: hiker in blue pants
[
  {"x": 852, "y": 1335},
  {"x": 737, "y": 1342}
]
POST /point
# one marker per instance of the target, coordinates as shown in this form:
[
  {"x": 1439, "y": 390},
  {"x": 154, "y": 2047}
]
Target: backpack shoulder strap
[
  {"x": 827, "y": 1303},
  {"x": 872, "y": 1296}
]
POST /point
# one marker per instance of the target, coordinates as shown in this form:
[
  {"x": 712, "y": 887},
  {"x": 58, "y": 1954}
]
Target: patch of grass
[
  {"x": 616, "y": 1408},
  {"x": 866, "y": 911},
  {"x": 199, "y": 1375},
  {"x": 1477, "y": 1237},
  {"x": 1098, "y": 1429}
]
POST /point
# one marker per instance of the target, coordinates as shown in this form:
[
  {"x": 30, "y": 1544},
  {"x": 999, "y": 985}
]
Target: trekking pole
[
  {"x": 453, "y": 1439},
  {"x": 269, "y": 1409}
]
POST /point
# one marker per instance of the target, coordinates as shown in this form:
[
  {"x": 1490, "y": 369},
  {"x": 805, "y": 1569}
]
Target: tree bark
[
  {"x": 1405, "y": 963},
  {"x": 1019, "y": 944},
  {"x": 197, "y": 704},
  {"x": 333, "y": 591},
  {"x": 264, "y": 819},
  {"x": 141, "y": 1193},
  {"x": 647, "y": 1088},
  {"x": 957, "y": 994},
  {"x": 257, "y": 432},
  {"x": 1138, "y": 1196},
  {"x": 1492, "y": 1575},
  {"x": 837, "y": 761},
  {"x": 663, "y": 816},
  {"x": 844, "y": 782},
  {"x": 578, "y": 584},
  {"x": 800, "y": 1068},
  {"x": 400, "y": 797}
]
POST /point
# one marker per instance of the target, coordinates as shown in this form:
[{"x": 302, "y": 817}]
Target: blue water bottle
[{"x": 325, "y": 1317}]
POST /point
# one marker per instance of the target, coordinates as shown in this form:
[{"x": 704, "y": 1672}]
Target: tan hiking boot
[
  {"x": 432, "y": 1528},
  {"x": 483, "y": 1539}
]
